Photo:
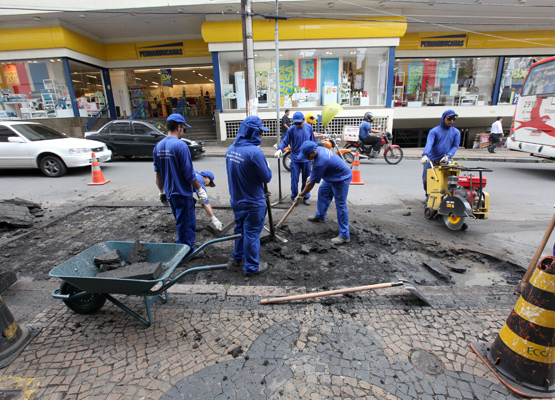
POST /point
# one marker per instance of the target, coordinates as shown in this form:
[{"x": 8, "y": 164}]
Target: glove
[
  {"x": 299, "y": 200},
  {"x": 444, "y": 160},
  {"x": 425, "y": 160},
  {"x": 278, "y": 154},
  {"x": 217, "y": 223},
  {"x": 202, "y": 196},
  {"x": 164, "y": 199}
]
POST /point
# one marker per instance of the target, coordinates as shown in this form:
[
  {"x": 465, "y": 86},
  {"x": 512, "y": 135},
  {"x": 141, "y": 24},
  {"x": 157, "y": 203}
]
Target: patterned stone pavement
[{"x": 221, "y": 346}]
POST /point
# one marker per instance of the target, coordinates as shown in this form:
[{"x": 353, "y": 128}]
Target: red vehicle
[{"x": 392, "y": 153}]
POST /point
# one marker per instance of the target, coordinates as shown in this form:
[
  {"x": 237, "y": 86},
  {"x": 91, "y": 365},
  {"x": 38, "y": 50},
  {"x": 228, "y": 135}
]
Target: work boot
[
  {"x": 235, "y": 264},
  {"x": 340, "y": 240},
  {"x": 306, "y": 201},
  {"x": 261, "y": 268},
  {"x": 315, "y": 219}
]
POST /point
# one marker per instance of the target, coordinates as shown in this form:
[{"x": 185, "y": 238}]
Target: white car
[{"x": 33, "y": 145}]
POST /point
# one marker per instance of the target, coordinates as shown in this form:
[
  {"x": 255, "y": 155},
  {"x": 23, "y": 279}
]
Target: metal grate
[
  {"x": 232, "y": 127},
  {"x": 335, "y": 126}
]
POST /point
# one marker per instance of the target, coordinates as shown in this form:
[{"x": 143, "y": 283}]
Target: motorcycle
[
  {"x": 392, "y": 153},
  {"x": 330, "y": 142}
]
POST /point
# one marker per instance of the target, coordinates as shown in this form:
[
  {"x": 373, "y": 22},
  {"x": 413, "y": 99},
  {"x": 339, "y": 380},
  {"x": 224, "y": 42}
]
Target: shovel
[
  {"x": 281, "y": 221},
  {"x": 401, "y": 282}
]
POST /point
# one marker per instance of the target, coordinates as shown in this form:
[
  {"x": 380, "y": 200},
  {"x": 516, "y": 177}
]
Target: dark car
[{"x": 130, "y": 138}]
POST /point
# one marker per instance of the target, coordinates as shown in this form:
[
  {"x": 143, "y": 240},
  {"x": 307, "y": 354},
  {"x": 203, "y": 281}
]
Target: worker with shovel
[
  {"x": 336, "y": 176},
  {"x": 247, "y": 172}
]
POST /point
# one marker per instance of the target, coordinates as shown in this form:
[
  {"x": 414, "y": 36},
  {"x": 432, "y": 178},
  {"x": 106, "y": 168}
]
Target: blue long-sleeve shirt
[
  {"x": 295, "y": 137},
  {"x": 442, "y": 140},
  {"x": 173, "y": 160},
  {"x": 247, "y": 169}
]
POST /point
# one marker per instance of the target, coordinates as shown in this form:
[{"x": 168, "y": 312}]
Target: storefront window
[
  {"x": 444, "y": 81},
  {"x": 34, "y": 89},
  {"x": 158, "y": 92},
  {"x": 89, "y": 88},
  {"x": 309, "y": 77},
  {"x": 515, "y": 71}
]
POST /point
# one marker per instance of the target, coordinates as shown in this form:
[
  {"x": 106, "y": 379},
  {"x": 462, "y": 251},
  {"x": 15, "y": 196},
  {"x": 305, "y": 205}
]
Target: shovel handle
[
  {"x": 280, "y": 223},
  {"x": 330, "y": 293}
]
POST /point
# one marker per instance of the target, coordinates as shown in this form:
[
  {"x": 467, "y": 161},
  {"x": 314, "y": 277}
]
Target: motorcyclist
[{"x": 364, "y": 131}]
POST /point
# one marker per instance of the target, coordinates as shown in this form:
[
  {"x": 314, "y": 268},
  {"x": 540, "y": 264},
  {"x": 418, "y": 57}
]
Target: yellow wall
[
  {"x": 58, "y": 37},
  {"x": 501, "y": 40},
  {"x": 304, "y": 29},
  {"x": 48, "y": 38}
]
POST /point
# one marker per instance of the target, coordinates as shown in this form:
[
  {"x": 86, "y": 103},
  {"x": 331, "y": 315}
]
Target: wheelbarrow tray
[{"x": 80, "y": 271}]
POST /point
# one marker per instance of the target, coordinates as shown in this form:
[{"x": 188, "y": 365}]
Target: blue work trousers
[
  {"x": 296, "y": 169},
  {"x": 249, "y": 222},
  {"x": 338, "y": 191},
  {"x": 183, "y": 209}
]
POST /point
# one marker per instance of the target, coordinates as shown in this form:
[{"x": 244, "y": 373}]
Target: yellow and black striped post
[
  {"x": 523, "y": 354},
  {"x": 13, "y": 337}
]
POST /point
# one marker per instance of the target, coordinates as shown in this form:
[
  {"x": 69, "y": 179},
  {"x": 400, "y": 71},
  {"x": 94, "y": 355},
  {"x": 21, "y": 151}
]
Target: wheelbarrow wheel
[{"x": 88, "y": 304}]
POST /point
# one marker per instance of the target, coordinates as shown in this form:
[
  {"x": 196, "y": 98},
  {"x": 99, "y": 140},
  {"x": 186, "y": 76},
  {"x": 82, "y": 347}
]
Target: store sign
[
  {"x": 166, "y": 77},
  {"x": 10, "y": 73},
  {"x": 444, "y": 42},
  {"x": 416, "y": 71},
  {"x": 147, "y": 50},
  {"x": 286, "y": 77}
]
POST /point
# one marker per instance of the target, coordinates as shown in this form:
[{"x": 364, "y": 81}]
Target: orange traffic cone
[
  {"x": 523, "y": 355},
  {"x": 356, "y": 171},
  {"x": 97, "y": 177}
]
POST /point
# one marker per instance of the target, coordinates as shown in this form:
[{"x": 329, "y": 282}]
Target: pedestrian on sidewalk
[
  {"x": 285, "y": 123},
  {"x": 442, "y": 143},
  {"x": 496, "y": 134},
  {"x": 206, "y": 178},
  {"x": 247, "y": 172},
  {"x": 295, "y": 136},
  {"x": 336, "y": 177},
  {"x": 176, "y": 179}
]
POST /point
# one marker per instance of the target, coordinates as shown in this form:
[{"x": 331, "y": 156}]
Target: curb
[{"x": 461, "y": 158}]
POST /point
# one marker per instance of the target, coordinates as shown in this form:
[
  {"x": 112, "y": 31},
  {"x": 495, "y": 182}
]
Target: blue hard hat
[
  {"x": 178, "y": 118},
  {"x": 210, "y": 176},
  {"x": 307, "y": 148},
  {"x": 298, "y": 117}
]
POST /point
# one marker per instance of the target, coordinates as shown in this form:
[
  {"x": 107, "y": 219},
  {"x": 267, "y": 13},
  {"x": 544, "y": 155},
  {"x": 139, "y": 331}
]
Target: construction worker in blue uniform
[
  {"x": 336, "y": 177},
  {"x": 176, "y": 179},
  {"x": 442, "y": 143},
  {"x": 206, "y": 178},
  {"x": 247, "y": 172},
  {"x": 295, "y": 136}
]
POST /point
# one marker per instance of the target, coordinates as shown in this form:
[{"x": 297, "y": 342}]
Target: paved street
[{"x": 218, "y": 342}]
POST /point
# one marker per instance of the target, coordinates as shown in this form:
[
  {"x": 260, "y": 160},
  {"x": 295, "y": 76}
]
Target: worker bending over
[{"x": 336, "y": 176}]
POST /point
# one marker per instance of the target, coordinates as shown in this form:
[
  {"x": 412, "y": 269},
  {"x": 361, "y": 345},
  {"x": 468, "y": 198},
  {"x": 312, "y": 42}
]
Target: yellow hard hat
[{"x": 311, "y": 118}]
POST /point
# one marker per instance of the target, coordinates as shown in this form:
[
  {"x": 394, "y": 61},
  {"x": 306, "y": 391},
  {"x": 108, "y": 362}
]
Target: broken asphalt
[{"x": 216, "y": 341}]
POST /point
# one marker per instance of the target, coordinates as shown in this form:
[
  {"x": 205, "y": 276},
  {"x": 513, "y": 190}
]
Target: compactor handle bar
[{"x": 477, "y": 169}]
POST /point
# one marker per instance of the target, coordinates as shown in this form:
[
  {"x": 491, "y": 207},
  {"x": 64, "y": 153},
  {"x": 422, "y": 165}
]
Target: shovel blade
[{"x": 416, "y": 292}]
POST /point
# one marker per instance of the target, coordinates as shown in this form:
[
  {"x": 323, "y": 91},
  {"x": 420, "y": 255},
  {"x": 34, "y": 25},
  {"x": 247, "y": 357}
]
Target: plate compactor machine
[{"x": 456, "y": 196}]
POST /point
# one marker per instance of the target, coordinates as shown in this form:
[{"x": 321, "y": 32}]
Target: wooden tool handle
[
  {"x": 329, "y": 293},
  {"x": 539, "y": 251},
  {"x": 280, "y": 223}
]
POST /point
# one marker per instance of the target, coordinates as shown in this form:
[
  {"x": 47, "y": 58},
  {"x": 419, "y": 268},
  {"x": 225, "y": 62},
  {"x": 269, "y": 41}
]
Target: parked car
[
  {"x": 130, "y": 138},
  {"x": 33, "y": 145}
]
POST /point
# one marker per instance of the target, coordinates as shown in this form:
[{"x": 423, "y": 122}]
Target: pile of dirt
[{"x": 377, "y": 252}]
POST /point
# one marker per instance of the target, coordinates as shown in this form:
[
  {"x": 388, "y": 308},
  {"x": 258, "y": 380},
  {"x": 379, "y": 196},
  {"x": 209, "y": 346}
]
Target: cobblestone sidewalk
[{"x": 375, "y": 345}]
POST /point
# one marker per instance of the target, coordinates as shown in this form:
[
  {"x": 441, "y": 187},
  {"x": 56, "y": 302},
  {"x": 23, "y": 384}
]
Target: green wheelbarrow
[{"x": 85, "y": 293}]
